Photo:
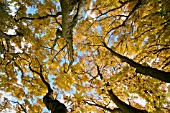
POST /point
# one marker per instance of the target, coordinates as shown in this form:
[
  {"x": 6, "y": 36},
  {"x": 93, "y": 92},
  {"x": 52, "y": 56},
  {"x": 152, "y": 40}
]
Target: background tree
[{"x": 99, "y": 56}]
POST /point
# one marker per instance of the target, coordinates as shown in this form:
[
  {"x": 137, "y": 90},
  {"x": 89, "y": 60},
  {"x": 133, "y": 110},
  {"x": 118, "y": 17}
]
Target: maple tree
[{"x": 95, "y": 56}]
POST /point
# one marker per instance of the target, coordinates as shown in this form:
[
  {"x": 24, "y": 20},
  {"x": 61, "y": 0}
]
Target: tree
[{"x": 99, "y": 56}]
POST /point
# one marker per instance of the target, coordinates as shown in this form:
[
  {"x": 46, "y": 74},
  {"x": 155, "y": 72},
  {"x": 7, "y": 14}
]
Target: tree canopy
[{"x": 83, "y": 56}]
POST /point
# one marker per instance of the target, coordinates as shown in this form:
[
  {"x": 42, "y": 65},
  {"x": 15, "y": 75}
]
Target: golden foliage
[{"x": 136, "y": 29}]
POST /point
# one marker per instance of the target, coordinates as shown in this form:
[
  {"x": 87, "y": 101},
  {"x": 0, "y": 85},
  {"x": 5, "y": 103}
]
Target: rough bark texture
[
  {"x": 71, "y": 13},
  {"x": 152, "y": 72}
]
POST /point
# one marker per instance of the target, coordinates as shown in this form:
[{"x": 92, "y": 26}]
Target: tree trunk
[{"x": 53, "y": 105}]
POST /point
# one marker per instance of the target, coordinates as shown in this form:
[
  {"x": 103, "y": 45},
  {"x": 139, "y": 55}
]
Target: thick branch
[
  {"x": 78, "y": 16},
  {"x": 123, "y": 106},
  {"x": 42, "y": 78},
  {"x": 51, "y": 103},
  {"x": 115, "y": 110},
  {"x": 152, "y": 72},
  {"x": 69, "y": 20},
  {"x": 40, "y": 17}
]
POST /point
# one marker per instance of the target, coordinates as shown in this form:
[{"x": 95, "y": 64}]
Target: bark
[
  {"x": 125, "y": 108},
  {"x": 115, "y": 110},
  {"x": 51, "y": 103},
  {"x": 122, "y": 106},
  {"x": 149, "y": 71},
  {"x": 70, "y": 15}
]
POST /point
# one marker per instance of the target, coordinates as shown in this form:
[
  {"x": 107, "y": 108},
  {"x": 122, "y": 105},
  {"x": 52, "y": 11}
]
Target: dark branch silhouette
[
  {"x": 125, "y": 108},
  {"x": 122, "y": 106},
  {"x": 145, "y": 70},
  {"x": 22, "y": 107},
  {"x": 115, "y": 110},
  {"x": 40, "y": 17},
  {"x": 135, "y": 8},
  {"x": 51, "y": 103}
]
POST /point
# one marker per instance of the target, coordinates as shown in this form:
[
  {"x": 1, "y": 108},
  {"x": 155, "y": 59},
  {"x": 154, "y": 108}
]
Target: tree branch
[
  {"x": 51, "y": 103},
  {"x": 122, "y": 4},
  {"x": 125, "y": 108},
  {"x": 41, "y": 76},
  {"x": 115, "y": 110},
  {"x": 22, "y": 107},
  {"x": 138, "y": 4},
  {"x": 69, "y": 20},
  {"x": 40, "y": 17},
  {"x": 78, "y": 16},
  {"x": 152, "y": 72}
]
